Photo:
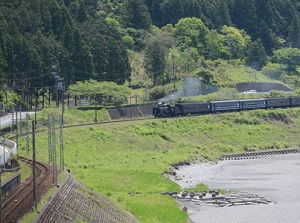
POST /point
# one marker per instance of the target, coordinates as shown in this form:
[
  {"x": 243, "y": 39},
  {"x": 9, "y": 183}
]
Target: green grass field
[{"x": 126, "y": 161}]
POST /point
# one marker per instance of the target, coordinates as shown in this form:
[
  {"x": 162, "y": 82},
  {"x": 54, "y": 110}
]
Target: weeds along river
[{"x": 276, "y": 178}]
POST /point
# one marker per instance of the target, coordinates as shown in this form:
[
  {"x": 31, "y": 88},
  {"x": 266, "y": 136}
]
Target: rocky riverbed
[{"x": 274, "y": 178}]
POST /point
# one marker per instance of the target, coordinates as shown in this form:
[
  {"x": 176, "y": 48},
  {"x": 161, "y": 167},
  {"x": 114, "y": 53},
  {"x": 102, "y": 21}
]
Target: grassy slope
[
  {"x": 230, "y": 74},
  {"x": 125, "y": 162}
]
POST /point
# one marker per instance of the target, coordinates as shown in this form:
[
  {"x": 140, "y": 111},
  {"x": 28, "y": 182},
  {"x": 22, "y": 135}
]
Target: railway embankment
[{"x": 73, "y": 202}]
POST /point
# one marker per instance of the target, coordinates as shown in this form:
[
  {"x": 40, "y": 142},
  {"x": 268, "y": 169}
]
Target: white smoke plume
[{"x": 191, "y": 87}]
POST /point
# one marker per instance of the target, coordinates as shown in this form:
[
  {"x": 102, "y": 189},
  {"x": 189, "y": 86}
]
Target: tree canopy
[
  {"x": 92, "y": 39},
  {"x": 36, "y": 35},
  {"x": 101, "y": 91}
]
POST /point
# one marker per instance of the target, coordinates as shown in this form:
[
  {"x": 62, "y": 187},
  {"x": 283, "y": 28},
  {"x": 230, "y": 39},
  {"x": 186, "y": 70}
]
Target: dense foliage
[
  {"x": 40, "y": 40},
  {"x": 100, "y": 91},
  {"x": 99, "y": 39}
]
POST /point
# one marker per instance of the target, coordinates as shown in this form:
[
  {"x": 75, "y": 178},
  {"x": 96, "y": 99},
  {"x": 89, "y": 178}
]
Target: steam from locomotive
[{"x": 191, "y": 87}]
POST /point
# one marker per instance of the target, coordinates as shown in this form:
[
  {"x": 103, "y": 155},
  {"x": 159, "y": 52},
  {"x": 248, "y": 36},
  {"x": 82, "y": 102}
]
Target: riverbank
[{"x": 275, "y": 178}]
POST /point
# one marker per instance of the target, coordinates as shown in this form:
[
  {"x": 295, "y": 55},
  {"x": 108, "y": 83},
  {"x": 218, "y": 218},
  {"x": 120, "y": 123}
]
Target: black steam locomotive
[{"x": 182, "y": 109}]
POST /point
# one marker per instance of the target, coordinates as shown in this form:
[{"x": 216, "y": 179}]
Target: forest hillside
[{"x": 142, "y": 44}]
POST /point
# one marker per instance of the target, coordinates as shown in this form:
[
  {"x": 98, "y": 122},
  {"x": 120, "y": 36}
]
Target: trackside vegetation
[{"x": 126, "y": 162}]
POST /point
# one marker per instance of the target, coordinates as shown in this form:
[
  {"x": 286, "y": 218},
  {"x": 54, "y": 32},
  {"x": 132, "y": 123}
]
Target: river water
[{"x": 276, "y": 178}]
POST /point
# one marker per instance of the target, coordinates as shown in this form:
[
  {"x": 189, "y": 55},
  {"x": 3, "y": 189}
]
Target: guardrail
[{"x": 10, "y": 148}]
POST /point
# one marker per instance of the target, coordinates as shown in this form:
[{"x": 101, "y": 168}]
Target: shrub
[{"x": 157, "y": 93}]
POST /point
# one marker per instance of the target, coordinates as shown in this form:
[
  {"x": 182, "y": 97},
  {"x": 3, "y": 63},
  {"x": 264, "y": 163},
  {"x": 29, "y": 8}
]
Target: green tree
[
  {"x": 256, "y": 55},
  {"x": 214, "y": 46},
  {"x": 46, "y": 18},
  {"x": 274, "y": 70},
  {"x": 155, "y": 61},
  {"x": 155, "y": 11},
  {"x": 191, "y": 32},
  {"x": 81, "y": 13},
  {"x": 128, "y": 41},
  {"x": 136, "y": 14},
  {"x": 46, "y": 53},
  {"x": 172, "y": 11},
  {"x": 207, "y": 84},
  {"x": 235, "y": 40},
  {"x": 215, "y": 13},
  {"x": 185, "y": 60},
  {"x": 289, "y": 57},
  {"x": 110, "y": 56},
  {"x": 82, "y": 58},
  {"x": 67, "y": 37},
  {"x": 91, "y": 7},
  {"x": 243, "y": 15},
  {"x": 206, "y": 76},
  {"x": 25, "y": 24},
  {"x": 104, "y": 91},
  {"x": 294, "y": 32},
  {"x": 3, "y": 64},
  {"x": 3, "y": 34},
  {"x": 223, "y": 12}
]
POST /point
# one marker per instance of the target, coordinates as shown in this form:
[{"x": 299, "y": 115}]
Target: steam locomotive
[{"x": 183, "y": 109}]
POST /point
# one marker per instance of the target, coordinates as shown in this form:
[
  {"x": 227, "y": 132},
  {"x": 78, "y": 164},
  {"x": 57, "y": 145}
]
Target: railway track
[{"x": 21, "y": 200}]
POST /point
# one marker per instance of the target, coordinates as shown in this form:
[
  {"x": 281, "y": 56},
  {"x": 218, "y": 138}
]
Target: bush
[
  {"x": 276, "y": 94},
  {"x": 157, "y": 92},
  {"x": 247, "y": 121}
]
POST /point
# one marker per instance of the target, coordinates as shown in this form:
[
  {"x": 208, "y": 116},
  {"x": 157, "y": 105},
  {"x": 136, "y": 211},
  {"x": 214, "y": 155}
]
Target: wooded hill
[{"x": 90, "y": 39}]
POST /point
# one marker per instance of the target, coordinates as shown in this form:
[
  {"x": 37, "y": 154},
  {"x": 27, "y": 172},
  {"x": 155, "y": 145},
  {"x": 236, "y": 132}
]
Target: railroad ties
[
  {"x": 255, "y": 155},
  {"x": 216, "y": 199}
]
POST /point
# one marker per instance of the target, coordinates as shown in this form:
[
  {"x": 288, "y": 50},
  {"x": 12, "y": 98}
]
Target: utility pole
[
  {"x": 0, "y": 194},
  {"x": 57, "y": 98},
  {"x": 2, "y": 140},
  {"x": 54, "y": 160},
  {"x": 17, "y": 137},
  {"x": 34, "y": 166},
  {"x": 27, "y": 134},
  {"x": 36, "y": 104},
  {"x": 96, "y": 119},
  {"x": 12, "y": 120},
  {"x": 4, "y": 150},
  {"x": 61, "y": 137},
  {"x": 62, "y": 107},
  {"x": 50, "y": 138},
  {"x": 173, "y": 71},
  {"x": 20, "y": 118},
  {"x": 54, "y": 71},
  {"x": 60, "y": 91},
  {"x": 130, "y": 107}
]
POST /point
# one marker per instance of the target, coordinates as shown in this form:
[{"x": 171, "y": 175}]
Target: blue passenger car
[
  {"x": 219, "y": 106},
  {"x": 277, "y": 102},
  {"x": 252, "y": 104},
  {"x": 193, "y": 108},
  {"x": 294, "y": 101}
]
